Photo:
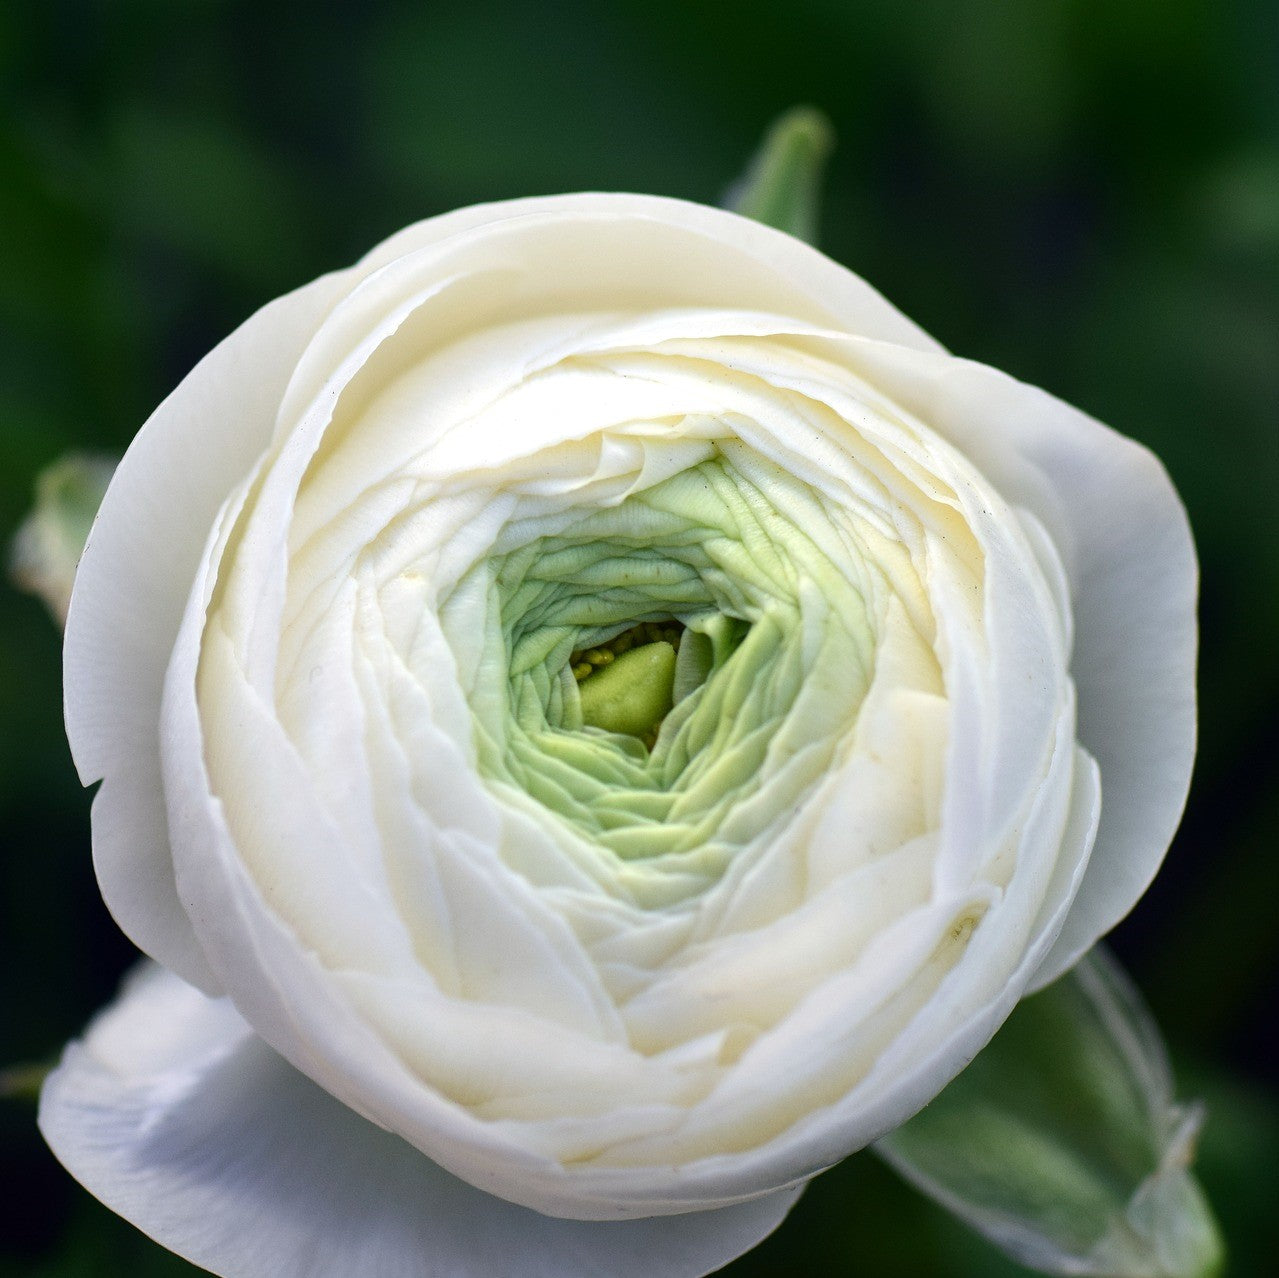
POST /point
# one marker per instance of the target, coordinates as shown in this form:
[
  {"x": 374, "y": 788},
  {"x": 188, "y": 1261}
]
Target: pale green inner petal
[{"x": 772, "y": 667}]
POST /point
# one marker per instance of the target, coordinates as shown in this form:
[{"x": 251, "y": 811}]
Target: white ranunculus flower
[{"x": 660, "y": 944}]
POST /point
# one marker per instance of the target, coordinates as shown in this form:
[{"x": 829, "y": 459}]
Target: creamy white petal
[
  {"x": 1126, "y": 546},
  {"x": 130, "y": 592},
  {"x": 715, "y": 237},
  {"x": 177, "y": 1116}
]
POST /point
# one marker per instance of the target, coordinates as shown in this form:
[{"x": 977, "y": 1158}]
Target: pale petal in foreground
[{"x": 179, "y": 1118}]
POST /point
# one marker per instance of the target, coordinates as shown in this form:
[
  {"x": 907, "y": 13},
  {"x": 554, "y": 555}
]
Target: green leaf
[
  {"x": 1061, "y": 1142},
  {"x": 46, "y": 549},
  {"x": 782, "y": 186},
  {"x": 23, "y": 1082}
]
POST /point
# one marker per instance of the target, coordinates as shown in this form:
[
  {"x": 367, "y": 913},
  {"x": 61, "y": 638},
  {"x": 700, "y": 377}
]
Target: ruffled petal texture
[
  {"x": 176, "y": 1115},
  {"x": 900, "y": 716}
]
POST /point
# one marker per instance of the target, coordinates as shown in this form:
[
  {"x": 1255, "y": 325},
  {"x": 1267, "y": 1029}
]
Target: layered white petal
[
  {"x": 1123, "y": 537},
  {"x": 728, "y": 259},
  {"x": 176, "y": 1115},
  {"x": 290, "y": 830}
]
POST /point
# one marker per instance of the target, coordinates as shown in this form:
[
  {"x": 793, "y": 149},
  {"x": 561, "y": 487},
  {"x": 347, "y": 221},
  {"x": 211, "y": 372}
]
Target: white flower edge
[
  {"x": 1125, "y": 541},
  {"x": 177, "y": 1116},
  {"x": 130, "y": 592}
]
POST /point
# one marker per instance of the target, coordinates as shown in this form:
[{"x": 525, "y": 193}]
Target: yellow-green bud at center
[{"x": 633, "y": 693}]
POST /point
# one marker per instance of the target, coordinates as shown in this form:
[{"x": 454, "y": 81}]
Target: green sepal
[
  {"x": 782, "y": 185},
  {"x": 1061, "y": 1142},
  {"x": 23, "y": 1082}
]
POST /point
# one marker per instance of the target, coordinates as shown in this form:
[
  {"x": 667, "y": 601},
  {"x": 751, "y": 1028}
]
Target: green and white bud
[
  {"x": 1062, "y": 1143},
  {"x": 47, "y": 547}
]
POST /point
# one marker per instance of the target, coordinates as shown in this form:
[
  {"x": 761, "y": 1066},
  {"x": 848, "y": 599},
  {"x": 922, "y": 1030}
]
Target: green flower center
[
  {"x": 668, "y": 675},
  {"x": 628, "y": 684}
]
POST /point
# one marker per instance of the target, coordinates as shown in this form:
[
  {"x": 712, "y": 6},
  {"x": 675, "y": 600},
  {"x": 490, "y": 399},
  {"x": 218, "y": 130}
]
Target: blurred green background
[{"x": 1082, "y": 192}]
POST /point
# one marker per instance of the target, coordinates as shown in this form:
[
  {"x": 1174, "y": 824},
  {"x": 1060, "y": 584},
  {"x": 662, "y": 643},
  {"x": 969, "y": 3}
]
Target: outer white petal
[
  {"x": 792, "y": 264},
  {"x": 179, "y": 1118},
  {"x": 1126, "y": 545},
  {"x": 130, "y": 592}
]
